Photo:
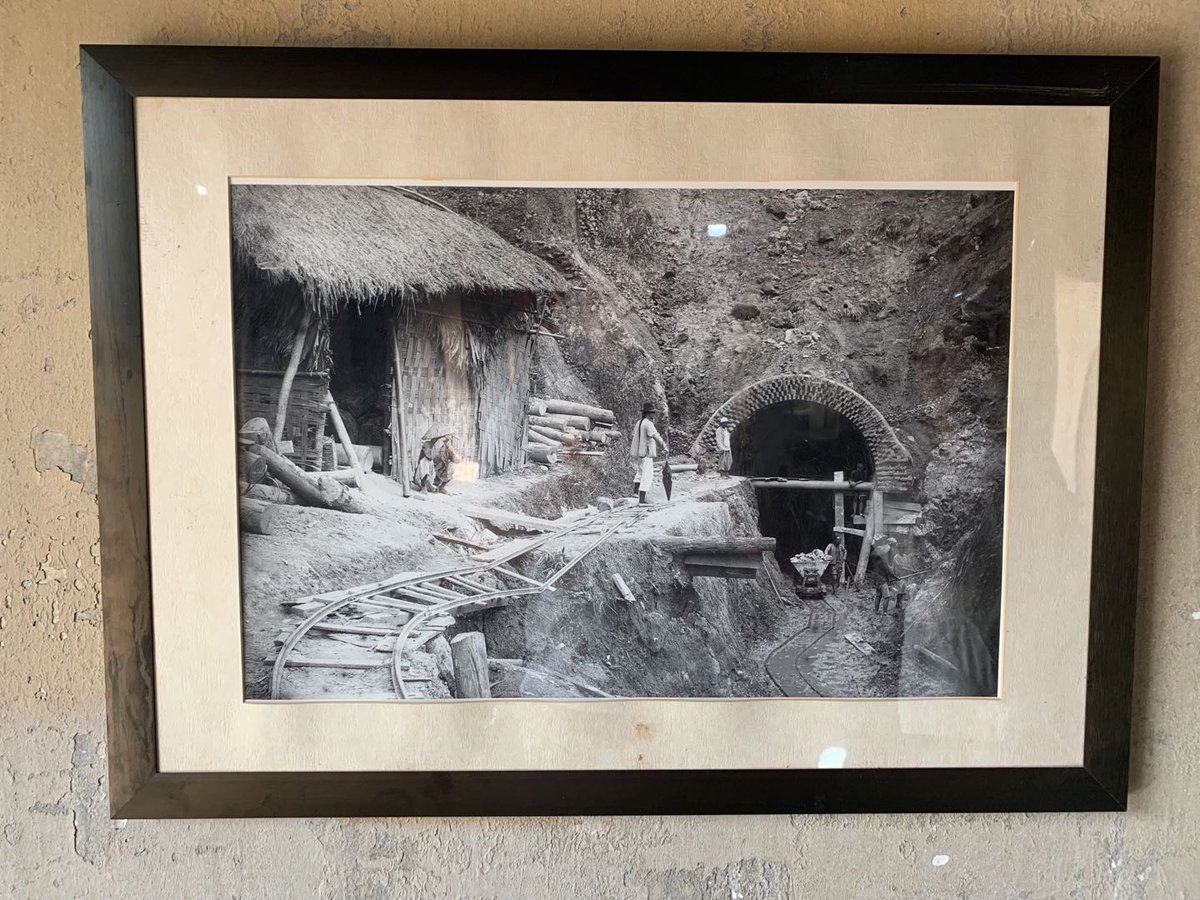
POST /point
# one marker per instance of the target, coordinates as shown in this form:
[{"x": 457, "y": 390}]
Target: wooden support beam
[
  {"x": 839, "y": 502},
  {"x": 469, "y": 653},
  {"x": 864, "y": 554},
  {"x": 399, "y": 440},
  {"x": 339, "y": 428},
  {"x": 731, "y": 546},
  {"x": 703, "y": 569},
  {"x": 289, "y": 374},
  {"x": 844, "y": 530},
  {"x": 811, "y": 484}
]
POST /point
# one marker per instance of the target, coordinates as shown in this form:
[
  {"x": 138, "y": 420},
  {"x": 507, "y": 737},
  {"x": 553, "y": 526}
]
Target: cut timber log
[
  {"x": 559, "y": 422},
  {"x": 534, "y": 438},
  {"x": 270, "y": 493},
  {"x": 469, "y": 653},
  {"x": 251, "y": 469},
  {"x": 600, "y": 436},
  {"x": 731, "y": 546},
  {"x": 322, "y": 492},
  {"x": 554, "y": 424},
  {"x": 504, "y": 517},
  {"x": 623, "y": 588},
  {"x": 718, "y": 566},
  {"x": 499, "y": 662},
  {"x": 684, "y": 467},
  {"x": 256, "y": 516},
  {"x": 548, "y": 434},
  {"x": 554, "y": 406},
  {"x": 256, "y": 431},
  {"x": 545, "y": 455}
]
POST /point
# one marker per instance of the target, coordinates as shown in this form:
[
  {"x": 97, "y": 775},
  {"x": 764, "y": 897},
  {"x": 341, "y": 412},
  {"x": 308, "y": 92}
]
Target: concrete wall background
[{"x": 55, "y": 837}]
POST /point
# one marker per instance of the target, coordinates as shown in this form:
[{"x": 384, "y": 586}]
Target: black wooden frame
[{"x": 113, "y": 76}]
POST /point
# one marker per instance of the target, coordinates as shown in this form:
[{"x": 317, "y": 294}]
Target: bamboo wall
[{"x": 485, "y": 412}]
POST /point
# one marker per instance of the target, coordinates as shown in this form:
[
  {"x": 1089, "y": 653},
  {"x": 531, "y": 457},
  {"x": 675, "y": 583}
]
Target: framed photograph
[{"x": 515, "y": 432}]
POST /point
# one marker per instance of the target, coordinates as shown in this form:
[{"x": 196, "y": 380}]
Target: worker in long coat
[
  {"x": 724, "y": 451},
  {"x": 644, "y": 449}
]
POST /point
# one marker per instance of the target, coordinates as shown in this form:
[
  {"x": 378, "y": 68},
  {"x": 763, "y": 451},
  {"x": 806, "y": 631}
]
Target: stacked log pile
[{"x": 563, "y": 428}]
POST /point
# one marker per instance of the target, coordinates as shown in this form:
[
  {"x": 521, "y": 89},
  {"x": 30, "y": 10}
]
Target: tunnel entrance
[{"x": 801, "y": 439}]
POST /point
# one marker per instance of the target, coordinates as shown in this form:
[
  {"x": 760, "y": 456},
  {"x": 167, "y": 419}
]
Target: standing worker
[
  {"x": 837, "y": 567},
  {"x": 881, "y": 569},
  {"x": 644, "y": 448},
  {"x": 724, "y": 453}
]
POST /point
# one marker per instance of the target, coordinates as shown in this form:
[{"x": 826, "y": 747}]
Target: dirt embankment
[{"x": 681, "y": 636}]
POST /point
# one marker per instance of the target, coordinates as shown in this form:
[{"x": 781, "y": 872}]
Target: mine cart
[{"x": 809, "y": 569}]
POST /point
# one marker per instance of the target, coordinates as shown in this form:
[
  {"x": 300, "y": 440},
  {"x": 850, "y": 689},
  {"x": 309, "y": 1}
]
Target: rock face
[{"x": 902, "y": 296}]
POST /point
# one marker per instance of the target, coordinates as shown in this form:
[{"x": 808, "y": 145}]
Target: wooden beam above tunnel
[{"x": 808, "y": 484}]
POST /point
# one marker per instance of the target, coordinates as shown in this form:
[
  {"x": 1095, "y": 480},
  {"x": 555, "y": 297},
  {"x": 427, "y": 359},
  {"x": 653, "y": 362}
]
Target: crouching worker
[
  {"x": 437, "y": 461},
  {"x": 644, "y": 449}
]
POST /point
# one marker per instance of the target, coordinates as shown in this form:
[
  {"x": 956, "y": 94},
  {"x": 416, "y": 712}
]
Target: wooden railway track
[{"x": 424, "y": 601}]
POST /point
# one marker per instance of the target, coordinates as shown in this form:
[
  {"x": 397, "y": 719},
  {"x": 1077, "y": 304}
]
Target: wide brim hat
[
  {"x": 433, "y": 432},
  {"x": 648, "y": 407}
]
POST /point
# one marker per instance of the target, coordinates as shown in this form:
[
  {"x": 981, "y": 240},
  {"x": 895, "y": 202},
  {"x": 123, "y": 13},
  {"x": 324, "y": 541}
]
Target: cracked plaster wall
[{"x": 55, "y": 836}]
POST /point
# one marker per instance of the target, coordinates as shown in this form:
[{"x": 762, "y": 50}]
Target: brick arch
[{"x": 890, "y": 459}]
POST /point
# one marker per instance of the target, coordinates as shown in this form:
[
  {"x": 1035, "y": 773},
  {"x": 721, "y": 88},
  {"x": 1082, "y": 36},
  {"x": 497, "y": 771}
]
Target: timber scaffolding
[
  {"x": 421, "y": 606},
  {"x": 884, "y": 512}
]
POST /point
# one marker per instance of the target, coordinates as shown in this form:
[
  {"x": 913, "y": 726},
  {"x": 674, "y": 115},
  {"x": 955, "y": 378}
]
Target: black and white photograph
[{"x": 601, "y": 442}]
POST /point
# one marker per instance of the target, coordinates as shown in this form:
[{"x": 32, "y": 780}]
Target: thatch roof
[{"x": 364, "y": 243}]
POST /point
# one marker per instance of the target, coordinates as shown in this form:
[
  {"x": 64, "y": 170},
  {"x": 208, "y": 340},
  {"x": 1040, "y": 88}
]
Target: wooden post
[
  {"x": 339, "y": 428},
  {"x": 864, "y": 555},
  {"x": 469, "y": 653},
  {"x": 289, "y": 374},
  {"x": 399, "y": 441},
  {"x": 877, "y": 510},
  {"x": 839, "y": 503},
  {"x": 839, "y": 522}
]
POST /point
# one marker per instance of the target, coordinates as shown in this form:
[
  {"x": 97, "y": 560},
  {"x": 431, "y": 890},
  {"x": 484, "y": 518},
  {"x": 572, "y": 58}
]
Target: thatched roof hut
[
  {"x": 357, "y": 286},
  {"x": 365, "y": 244}
]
